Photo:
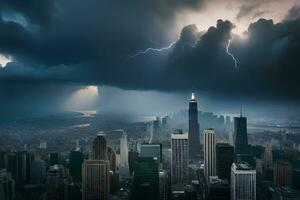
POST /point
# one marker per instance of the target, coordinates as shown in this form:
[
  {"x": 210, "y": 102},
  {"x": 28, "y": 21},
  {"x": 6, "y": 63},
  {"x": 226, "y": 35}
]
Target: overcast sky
[{"x": 230, "y": 51}]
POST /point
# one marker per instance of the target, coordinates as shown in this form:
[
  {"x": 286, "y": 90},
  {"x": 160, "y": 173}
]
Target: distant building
[
  {"x": 243, "y": 182},
  {"x": 111, "y": 156},
  {"x": 151, "y": 151},
  {"x": 75, "y": 165},
  {"x": 57, "y": 185},
  {"x": 240, "y": 136},
  {"x": 146, "y": 179},
  {"x": 99, "y": 148},
  {"x": 179, "y": 160},
  {"x": 268, "y": 157},
  {"x": 283, "y": 174},
  {"x": 38, "y": 172},
  {"x": 165, "y": 121},
  {"x": 7, "y": 186},
  {"x": 95, "y": 180},
  {"x": 124, "y": 165},
  {"x": 218, "y": 189},
  {"x": 193, "y": 134},
  {"x": 209, "y": 153},
  {"x": 132, "y": 157},
  {"x": 224, "y": 159},
  {"x": 154, "y": 138},
  {"x": 54, "y": 158},
  {"x": 227, "y": 120},
  {"x": 285, "y": 193}
]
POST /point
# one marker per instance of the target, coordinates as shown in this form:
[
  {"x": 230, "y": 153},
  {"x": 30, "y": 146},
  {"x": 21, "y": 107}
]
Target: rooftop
[{"x": 243, "y": 166}]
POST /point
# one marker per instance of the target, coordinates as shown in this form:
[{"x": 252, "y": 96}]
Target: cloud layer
[{"x": 89, "y": 43}]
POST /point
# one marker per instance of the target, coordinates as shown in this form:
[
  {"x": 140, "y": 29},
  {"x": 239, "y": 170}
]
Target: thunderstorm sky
[{"x": 151, "y": 54}]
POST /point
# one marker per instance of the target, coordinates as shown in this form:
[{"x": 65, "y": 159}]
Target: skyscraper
[
  {"x": 209, "y": 153},
  {"x": 283, "y": 174},
  {"x": 95, "y": 180},
  {"x": 7, "y": 185},
  {"x": 243, "y": 182},
  {"x": 179, "y": 159},
  {"x": 151, "y": 150},
  {"x": 132, "y": 157},
  {"x": 124, "y": 165},
  {"x": 99, "y": 148},
  {"x": 95, "y": 172},
  {"x": 111, "y": 156},
  {"x": 75, "y": 165},
  {"x": 194, "y": 141},
  {"x": 224, "y": 159},
  {"x": 268, "y": 157},
  {"x": 240, "y": 136},
  {"x": 146, "y": 179}
]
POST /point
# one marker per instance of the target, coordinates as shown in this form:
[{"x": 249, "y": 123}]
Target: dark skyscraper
[
  {"x": 99, "y": 148},
  {"x": 225, "y": 158},
  {"x": 146, "y": 179},
  {"x": 75, "y": 166},
  {"x": 194, "y": 141},
  {"x": 240, "y": 136}
]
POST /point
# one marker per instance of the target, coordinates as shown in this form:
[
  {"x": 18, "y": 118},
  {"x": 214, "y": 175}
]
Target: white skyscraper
[
  {"x": 124, "y": 166},
  {"x": 180, "y": 157},
  {"x": 209, "y": 153},
  {"x": 243, "y": 182}
]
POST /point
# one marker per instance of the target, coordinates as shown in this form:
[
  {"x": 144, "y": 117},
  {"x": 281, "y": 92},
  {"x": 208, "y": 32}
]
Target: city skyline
[{"x": 149, "y": 100}]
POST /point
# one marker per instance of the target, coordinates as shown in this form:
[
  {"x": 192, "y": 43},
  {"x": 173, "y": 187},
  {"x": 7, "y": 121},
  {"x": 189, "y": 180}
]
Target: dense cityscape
[
  {"x": 187, "y": 155},
  {"x": 149, "y": 100}
]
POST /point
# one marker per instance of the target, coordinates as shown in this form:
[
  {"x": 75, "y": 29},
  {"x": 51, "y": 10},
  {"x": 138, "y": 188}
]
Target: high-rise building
[
  {"x": 227, "y": 120},
  {"x": 75, "y": 165},
  {"x": 283, "y": 173},
  {"x": 218, "y": 189},
  {"x": 95, "y": 180},
  {"x": 193, "y": 134},
  {"x": 164, "y": 189},
  {"x": 111, "y": 155},
  {"x": 155, "y": 131},
  {"x": 179, "y": 159},
  {"x": 7, "y": 186},
  {"x": 38, "y": 171},
  {"x": 146, "y": 179},
  {"x": 3, "y": 157},
  {"x": 54, "y": 158},
  {"x": 240, "y": 136},
  {"x": 132, "y": 157},
  {"x": 268, "y": 157},
  {"x": 124, "y": 165},
  {"x": 209, "y": 153},
  {"x": 224, "y": 159},
  {"x": 99, "y": 148},
  {"x": 56, "y": 183},
  {"x": 151, "y": 151},
  {"x": 243, "y": 181}
]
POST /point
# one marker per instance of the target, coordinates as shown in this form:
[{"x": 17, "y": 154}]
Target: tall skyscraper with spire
[
  {"x": 95, "y": 172},
  {"x": 193, "y": 134}
]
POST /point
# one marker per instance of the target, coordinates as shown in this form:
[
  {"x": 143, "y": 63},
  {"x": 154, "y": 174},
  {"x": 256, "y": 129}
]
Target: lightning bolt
[
  {"x": 231, "y": 55},
  {"x": 151, "y": 50}
]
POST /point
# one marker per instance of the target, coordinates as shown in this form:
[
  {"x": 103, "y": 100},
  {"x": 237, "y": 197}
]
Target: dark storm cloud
[
  {"x": 36, "y": 11},
  {"x": 89, "y": 43},
  {"x": 246, "y": 10},
  {"x": 293, "y": 13}
]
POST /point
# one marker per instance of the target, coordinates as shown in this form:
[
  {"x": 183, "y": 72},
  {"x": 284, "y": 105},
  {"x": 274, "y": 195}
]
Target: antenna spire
[{"x": 241, "y": 111}]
